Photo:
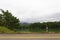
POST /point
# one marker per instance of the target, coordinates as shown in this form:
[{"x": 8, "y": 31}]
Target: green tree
[
  {"x": 10, "y": 21},
  {"x": 1, "y": 22},
  {"x": 37, "y": 27}
]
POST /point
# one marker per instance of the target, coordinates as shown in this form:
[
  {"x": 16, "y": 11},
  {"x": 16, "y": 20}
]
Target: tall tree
[
  {"x": 10, "y": 21},
  {"x": 1, "y": 22}
]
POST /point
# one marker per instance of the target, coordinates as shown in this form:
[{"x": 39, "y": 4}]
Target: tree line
[
  {"x": 42, "y": 27},
  {"x": 46, "y": 27}
]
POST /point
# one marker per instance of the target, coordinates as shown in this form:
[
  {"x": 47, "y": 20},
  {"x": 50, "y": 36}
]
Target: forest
[{"x": 11, "y": 24}]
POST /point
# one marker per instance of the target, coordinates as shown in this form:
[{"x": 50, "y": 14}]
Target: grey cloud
[
  {"x": 51, "y": 18},
  {"x": 55, "y": 16}
]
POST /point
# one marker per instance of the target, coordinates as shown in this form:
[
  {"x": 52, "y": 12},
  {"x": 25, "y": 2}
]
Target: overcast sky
[{"x": 33, "y": 10}]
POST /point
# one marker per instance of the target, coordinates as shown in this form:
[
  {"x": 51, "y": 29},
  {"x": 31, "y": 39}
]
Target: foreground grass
[{"x": 5, "y": 30}]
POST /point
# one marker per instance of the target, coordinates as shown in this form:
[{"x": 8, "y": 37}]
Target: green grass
[{"x": 5, "y": 30}]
